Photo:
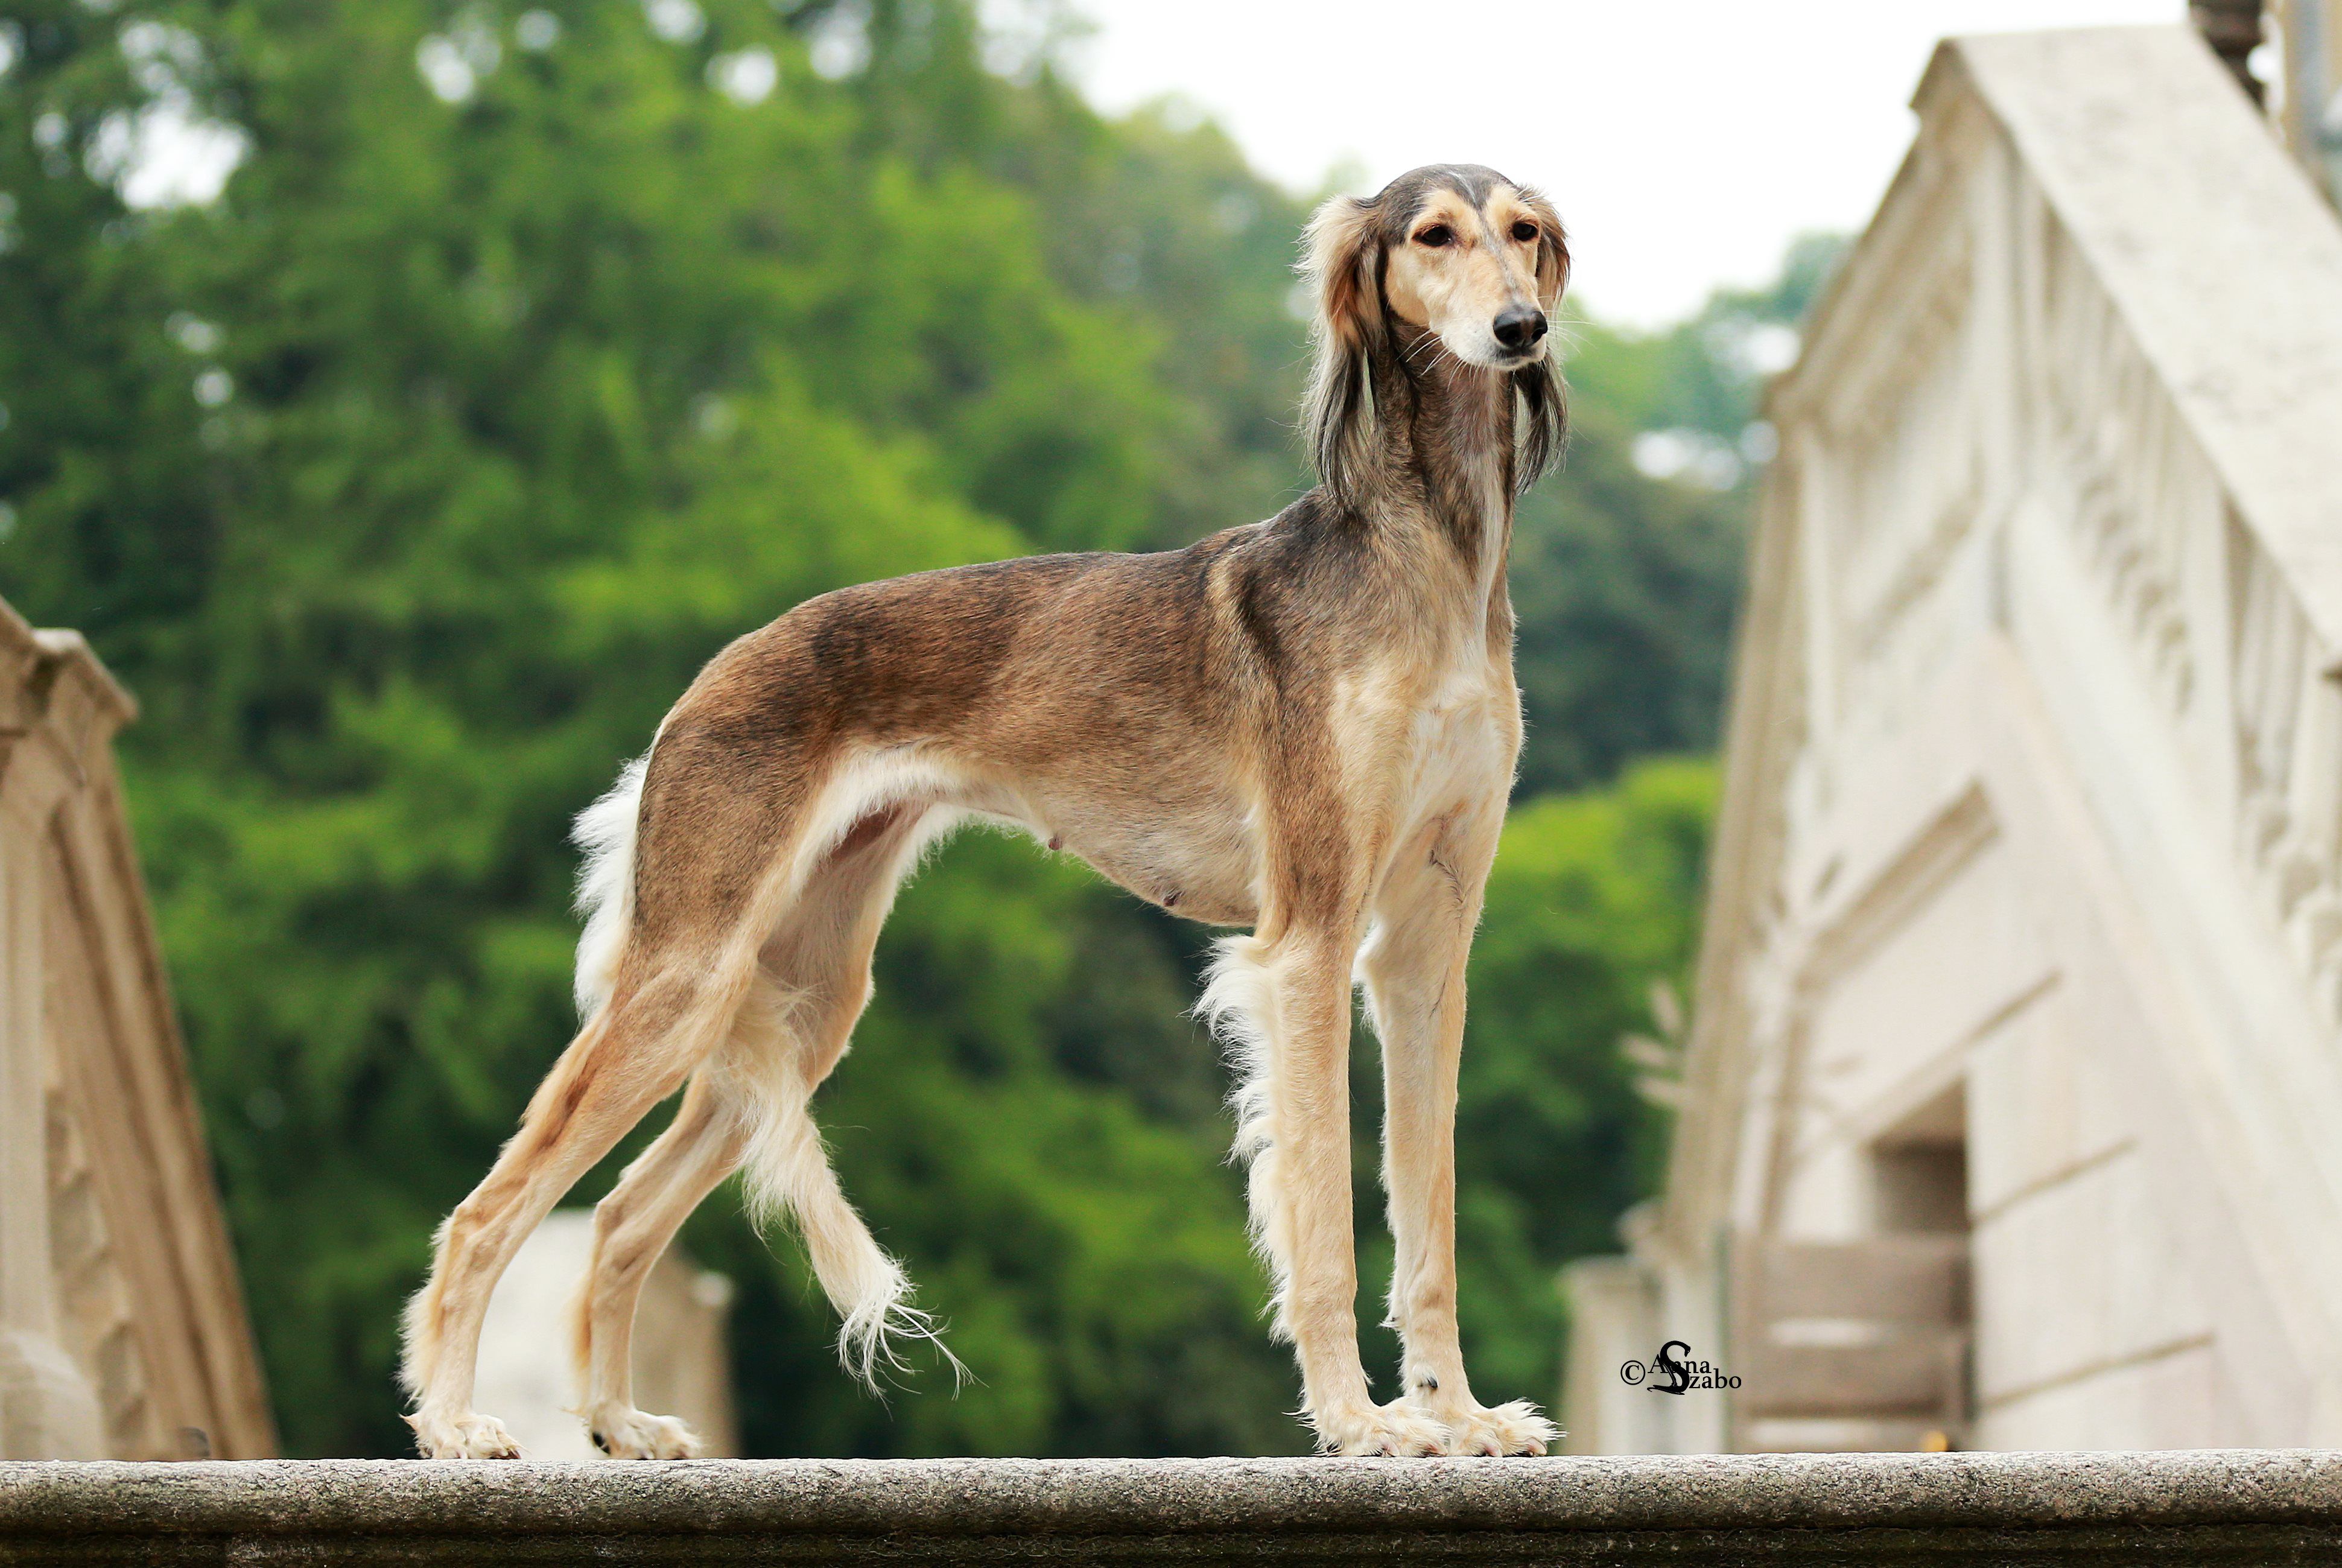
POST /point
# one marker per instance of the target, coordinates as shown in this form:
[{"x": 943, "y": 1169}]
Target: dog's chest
[
  {"x": 1466, "y": 740},
  {"x": 1436, "y": 737}
]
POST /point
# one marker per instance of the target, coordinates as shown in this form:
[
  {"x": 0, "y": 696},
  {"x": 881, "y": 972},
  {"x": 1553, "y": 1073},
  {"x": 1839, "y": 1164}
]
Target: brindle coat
[{"x": 1306, "y": 726}]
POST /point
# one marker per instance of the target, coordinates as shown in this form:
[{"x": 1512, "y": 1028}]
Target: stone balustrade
[
  {"x": 2025, "y": 921},
  {"x": 2199, "y": 1507}
]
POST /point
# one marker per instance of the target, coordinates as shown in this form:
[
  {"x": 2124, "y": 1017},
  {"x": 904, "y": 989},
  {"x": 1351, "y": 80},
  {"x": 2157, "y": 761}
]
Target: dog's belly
[{"x": 1191, "y": 856}]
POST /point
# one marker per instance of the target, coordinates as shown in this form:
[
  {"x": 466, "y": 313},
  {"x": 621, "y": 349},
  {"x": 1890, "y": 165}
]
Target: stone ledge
[{"x": 2232, "y": 1506}]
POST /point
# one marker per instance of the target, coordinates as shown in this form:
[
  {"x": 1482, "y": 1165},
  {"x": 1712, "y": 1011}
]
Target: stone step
[
  {"x": 1847, "y": 1434},
  {"x": 2233, "y": 1506},
  {"x": 1903, "y": 1279},
  {"x": 1918, "y": 1376}
]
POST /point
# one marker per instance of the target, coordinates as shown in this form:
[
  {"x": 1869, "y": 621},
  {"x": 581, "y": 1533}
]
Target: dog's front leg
[
  {"x": 1301, "y": 1190},
  {"x": 1413, "y": 966}
]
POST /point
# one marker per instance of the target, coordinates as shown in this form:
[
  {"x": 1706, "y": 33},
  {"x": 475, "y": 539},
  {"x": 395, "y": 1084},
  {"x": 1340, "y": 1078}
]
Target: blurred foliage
[
  {"x": 1625, "y": 573},
  {"x": 1705, "y": 373},
  {"x": 526, "y": 358},
  {"x": 1624, "y": 588}
]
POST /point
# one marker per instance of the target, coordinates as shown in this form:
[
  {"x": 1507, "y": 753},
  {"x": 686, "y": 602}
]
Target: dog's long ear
[
  {"x": 1545, "y": 401},
  {"x": 1552, "y": 252},
  {"x": 1343, "y": 263}
]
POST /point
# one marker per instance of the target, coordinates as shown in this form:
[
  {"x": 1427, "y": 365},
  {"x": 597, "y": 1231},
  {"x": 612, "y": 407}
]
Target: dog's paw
[
  {"x": 1509, "y": 1429},
  {"x": 464, "y": 1436},
  {"x": 633, "y": 1434},
  {"x": 1398, "y": 1430}
]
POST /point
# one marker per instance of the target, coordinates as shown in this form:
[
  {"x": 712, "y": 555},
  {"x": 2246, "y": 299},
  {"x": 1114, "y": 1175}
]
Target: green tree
[
  {"x": 538, "y": 395},
  {"x": 1627, "y": 570},
  {"x": 1623, "y": 586},
  {"x": 1705, "y": 373}
]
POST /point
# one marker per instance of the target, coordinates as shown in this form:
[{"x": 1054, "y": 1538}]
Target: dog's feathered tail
[
  {"x": 606, "y": 885},
  {"x": 1239, "y": 1004},
  {"x": 788, "y": 1178}
]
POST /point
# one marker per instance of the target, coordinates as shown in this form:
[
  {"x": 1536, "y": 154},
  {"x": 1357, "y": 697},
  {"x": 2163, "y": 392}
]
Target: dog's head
[{"x": 1456, "y": 250}]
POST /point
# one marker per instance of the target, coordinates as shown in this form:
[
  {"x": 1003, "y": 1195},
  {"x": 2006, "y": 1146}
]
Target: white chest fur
[{"x": 1425, "y": 747}]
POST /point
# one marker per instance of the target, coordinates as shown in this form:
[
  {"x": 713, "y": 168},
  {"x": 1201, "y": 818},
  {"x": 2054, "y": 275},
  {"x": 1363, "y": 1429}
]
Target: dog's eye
[
  {"x": 1437, "y": 234},
  {"x": 1525, "y": 231}
]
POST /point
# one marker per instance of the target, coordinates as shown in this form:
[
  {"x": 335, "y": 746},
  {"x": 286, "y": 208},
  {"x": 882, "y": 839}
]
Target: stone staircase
[
  {"x": 1858, "y": 1346},
  {"x": 2208, "y": 1507}
]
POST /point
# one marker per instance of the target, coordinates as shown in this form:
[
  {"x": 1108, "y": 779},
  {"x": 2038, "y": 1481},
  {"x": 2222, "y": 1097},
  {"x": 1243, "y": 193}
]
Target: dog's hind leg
[
  {"x": 632, "y": 1227},
  {"x": 1414, "y": 967},
  {"x": 812, "y": 980},
  {"x": 714, "y": 867},
  {"x": 635, "y": 1053}
]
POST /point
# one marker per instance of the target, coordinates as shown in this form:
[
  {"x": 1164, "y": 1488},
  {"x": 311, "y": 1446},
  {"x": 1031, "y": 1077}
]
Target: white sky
[{"x": 1685, "y": 141}]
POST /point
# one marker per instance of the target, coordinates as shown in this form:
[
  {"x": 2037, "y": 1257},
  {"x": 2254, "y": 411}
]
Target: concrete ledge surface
[{"x": 2232, "y": 1504}]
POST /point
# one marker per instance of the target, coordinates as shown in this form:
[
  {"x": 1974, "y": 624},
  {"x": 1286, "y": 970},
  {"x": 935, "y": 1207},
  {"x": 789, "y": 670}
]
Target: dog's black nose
[{"x": 1519, "y": 327}]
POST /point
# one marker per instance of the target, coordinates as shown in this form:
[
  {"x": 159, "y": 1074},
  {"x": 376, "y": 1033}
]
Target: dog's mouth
[{"x": 1482, "y": 351}]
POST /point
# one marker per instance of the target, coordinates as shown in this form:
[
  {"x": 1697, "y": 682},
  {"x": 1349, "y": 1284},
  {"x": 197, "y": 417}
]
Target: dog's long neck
[{"x": 1445, "y": 457}]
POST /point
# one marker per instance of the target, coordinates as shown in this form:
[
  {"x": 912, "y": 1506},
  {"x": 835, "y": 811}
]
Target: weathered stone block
[{"x": 2238, "y": 1506}]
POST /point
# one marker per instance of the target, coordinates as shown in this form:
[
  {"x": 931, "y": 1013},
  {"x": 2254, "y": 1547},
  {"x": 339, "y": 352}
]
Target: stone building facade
[
  {"x": 2012, "y": 1110},
  {"x": 123, "y": 1332}
]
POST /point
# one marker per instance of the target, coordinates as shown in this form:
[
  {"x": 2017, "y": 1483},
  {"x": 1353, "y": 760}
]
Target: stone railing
[
  {"x": 2031, "y": 836},
  {"x": 2287, "y": 718},
  {"x": 2215, "y": 1506},
  {"x": 122, "y": 1331},
  {"x": 2196, "y": 427}
]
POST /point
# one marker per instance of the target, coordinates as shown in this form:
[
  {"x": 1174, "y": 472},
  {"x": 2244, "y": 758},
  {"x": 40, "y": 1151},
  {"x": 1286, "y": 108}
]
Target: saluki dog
[{"x": 1306, "y": 727}]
